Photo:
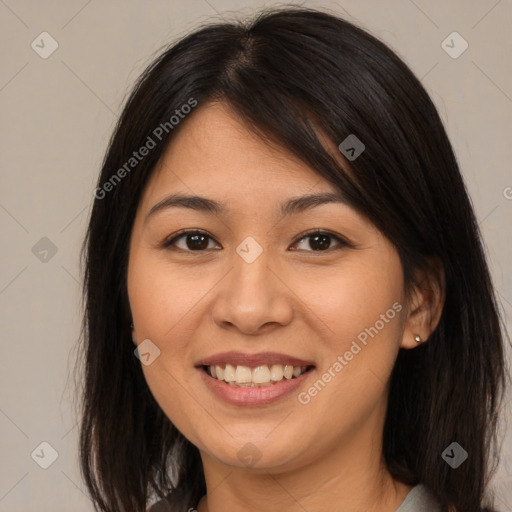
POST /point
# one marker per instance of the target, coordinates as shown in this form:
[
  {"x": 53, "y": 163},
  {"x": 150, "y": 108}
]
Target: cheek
[
  {"x": 347, "y": 302},
  {"x": 163, "y": 298}
]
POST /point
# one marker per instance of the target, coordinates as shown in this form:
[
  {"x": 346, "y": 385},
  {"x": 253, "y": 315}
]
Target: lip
[
  {"x": 253, "y": 360},
  {"x": 252, "y": 396}
]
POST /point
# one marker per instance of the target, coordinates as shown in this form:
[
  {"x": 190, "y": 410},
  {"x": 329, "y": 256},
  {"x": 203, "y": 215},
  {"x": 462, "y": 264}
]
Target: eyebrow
[{"x": 203, "y": 204}]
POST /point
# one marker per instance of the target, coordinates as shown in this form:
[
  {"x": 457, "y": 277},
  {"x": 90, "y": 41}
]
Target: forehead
[{"x": 215, "y": 151}]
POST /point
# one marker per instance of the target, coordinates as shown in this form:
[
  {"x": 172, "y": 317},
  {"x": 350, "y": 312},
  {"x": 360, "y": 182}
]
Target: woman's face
[{"x": 255, "y": 296}]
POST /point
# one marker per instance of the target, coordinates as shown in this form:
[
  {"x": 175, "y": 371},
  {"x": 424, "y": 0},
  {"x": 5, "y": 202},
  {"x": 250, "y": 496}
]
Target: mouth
[
  {"x": 258, "y": 376},
  {"x": 253, "y": 379}
]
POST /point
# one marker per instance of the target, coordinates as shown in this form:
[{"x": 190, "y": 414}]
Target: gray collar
[{"x": 419, "y": 499}]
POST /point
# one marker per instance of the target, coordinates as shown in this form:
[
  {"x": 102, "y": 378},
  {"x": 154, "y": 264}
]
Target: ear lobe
[{"x": 425, "y": 305}]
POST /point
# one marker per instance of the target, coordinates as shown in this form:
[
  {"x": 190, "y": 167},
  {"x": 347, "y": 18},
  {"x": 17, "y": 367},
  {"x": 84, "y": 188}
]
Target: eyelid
[{"x": 342, "y": 241}]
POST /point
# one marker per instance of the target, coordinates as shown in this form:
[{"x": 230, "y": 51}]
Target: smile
[
  {"x": 259, "y": 376},
  {"x": 243, "y": 379}
]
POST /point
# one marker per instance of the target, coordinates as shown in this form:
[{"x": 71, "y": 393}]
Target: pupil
[
  {"x": 321, "y": 242},
  {"x": 197, "y": 238}
]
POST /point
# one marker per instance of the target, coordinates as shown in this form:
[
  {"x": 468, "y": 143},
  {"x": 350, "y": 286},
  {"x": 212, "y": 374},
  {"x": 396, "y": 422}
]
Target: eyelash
[{"x": 167, "y": 244}]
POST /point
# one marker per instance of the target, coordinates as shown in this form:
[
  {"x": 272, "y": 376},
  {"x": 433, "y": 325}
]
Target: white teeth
[
  {"x": 276, "y": 372},
  {"x": 261, "y": 374},
  {"x": 229, "y": 373},
  {"x": 244, "y": 376}
]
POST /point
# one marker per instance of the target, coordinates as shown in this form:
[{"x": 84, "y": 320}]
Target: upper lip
[{"x": 253, "y": 360}]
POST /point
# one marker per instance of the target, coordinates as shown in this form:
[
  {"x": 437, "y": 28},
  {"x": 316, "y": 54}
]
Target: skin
[{"x": 323, "y": 455}]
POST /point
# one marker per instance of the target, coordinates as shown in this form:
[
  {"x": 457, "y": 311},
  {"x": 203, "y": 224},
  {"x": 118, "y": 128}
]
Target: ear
[{"x": 425, "y": 304}]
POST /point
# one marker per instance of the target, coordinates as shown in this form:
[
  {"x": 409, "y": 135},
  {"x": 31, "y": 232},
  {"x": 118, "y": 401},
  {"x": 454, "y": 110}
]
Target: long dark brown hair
[{"x": 286, "y": 73}]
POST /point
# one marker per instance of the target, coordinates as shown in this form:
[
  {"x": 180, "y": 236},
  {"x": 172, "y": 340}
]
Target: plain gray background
[{"x": 58, "y": 113}]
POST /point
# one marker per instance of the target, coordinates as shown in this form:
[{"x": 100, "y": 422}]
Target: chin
[{"x": 257, "y": 453}]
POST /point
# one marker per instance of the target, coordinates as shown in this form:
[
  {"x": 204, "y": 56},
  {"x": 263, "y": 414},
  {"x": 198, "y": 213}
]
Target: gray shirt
[{"x": 419, "y": 499}]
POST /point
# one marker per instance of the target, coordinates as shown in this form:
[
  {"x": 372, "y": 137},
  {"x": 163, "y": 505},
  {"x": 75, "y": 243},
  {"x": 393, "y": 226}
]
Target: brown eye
[
  {"x": 193, "y": 241},
  {"x": 321, "y": 241}
]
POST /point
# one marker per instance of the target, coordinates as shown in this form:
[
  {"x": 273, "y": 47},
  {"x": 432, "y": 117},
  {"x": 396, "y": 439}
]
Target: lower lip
[{"x": 264, "y": 395}]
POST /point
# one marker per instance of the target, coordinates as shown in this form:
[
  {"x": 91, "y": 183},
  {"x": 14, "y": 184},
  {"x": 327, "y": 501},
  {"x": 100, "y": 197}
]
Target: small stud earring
[{"x": 417, "y": 338}]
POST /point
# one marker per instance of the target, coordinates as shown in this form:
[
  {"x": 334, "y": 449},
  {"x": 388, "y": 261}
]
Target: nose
[{"x": 253, "y": 298}]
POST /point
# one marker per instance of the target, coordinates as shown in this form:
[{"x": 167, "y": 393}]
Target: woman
[{"x": 281, "y": 229}]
